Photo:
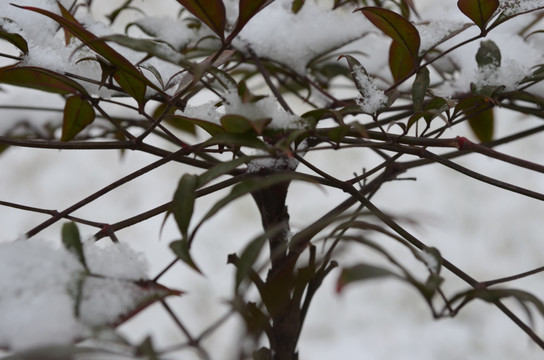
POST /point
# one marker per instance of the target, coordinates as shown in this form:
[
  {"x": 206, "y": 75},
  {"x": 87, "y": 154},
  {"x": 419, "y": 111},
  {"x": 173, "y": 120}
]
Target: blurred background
[{"x": 487, "y": 232}]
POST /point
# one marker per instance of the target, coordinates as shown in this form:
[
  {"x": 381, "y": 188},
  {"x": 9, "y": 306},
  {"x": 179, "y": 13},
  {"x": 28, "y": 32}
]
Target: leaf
[
  {"x": 488, "y": 54},
  {"x": 479, "y": 111},
  {"x": 248, "y": 257},
  {"x": 232, "y": 139},
  {"x": 246, "y": 10},
  {"x": 134, "y": 86},
  {"x": 297, "y": 5},
  {"x": 40, "y": 79},
  {"x": 238, "y": 124},
  {"x": 95, "y": 43},
  {"x": 396, "y": 27},
  {"x": 72, "y": 241},
  {"x": 419, "y": 88},
  {"x": 479, "y": 11},
  {"x": 221, "y": 168},
  {"x": 78, "y": 114},
  {"x": 184, "y": 200},
  {"x": 181, "y": 249},
  {"x": 210, "y": 12},
  {"x": 15, "y": 39},
  {"x": 210, "y": 127},
  {"x": 178, "y": 122},
  {"x": 152, "y": 292},
  {"x": 361, "y": 272},
  {"x": 401, "y": 63}
]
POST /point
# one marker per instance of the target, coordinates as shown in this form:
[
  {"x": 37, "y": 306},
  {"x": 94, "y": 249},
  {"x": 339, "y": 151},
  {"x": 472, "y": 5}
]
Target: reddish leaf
[
  {"x": 248, "y": 9},
  {"x": 401, "y": 63},
  {"x": 40, "y": 79},
  {"x": 78, "y": 113},
  {"x": 210, "y": 12},
  {"x": 479, "y": 11},
  {"x": 95, "y": 43},
  {"x": 396, "y": 27}
]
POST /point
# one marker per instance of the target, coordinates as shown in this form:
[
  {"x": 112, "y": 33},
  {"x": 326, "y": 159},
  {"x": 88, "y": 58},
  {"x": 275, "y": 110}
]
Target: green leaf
[
  {"x": 72, "y": 241},
  {"x": 95, "y": 43},
  {"x": 40, "y": 79},
  {"x": 222, "y": 169},
  {"x": 419, "y": 88},
  {"x": 232, "y": 139},
  {"x": 78, "y": 114},
  {"x": 248, "y": 257},
  {"x": 184, "y": 201},
  {"x": 361, "y": 272},
  {"x": 401, "y": 62},
  {"x": 210, "y": 12},
  {"x": 246, "y": 10},
  {"x": 297, "y": 5},
  {"x": 134, "y": 86},
  {"x": 488, "y": 54},
  {"x": 181, "y": 249},
  {"x": 396, "y": 27},
  {"x": 178, "y": 122},
  {"x": 479, "y": 11},
  {"x": 238, "y": 124},
  {"x": 15, "y": 39},
  {"x": 479, "y": 111},
  {"x": 210, "y": 127}
]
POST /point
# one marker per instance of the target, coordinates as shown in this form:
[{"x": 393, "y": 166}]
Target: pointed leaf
[
  {"x": 210, "y": 127},
  {"x": 72, "y": 241},
  {"x": 479, "y": 11},
  {"x": 238, "y": 124},
  {"x": 246, "y": 10},
  {"x": 297, "y": 5},
  {"x": 134, "y": 86},
  {"x": 396, "y": 27},
  {"x": 184, "y": 201},
  {"x": 78, "y": 114},
  {"x": 15, "y": 39},
  {"x": 419, "y": 88},
  {"x": 401, "y": 63},
  {"x": 227, "y": 139},
  {"x": 488, "y": 54},
  {"x": 40, "y": 79},
  {"x": 479, "y": 111},
  {"x": 248, "y": 257},
  {"x": 222, "y": 168},
  {"x": 361, "y": 272},
  {"x": 210, "y": 12},
  {"x": 181, "y": 249}
]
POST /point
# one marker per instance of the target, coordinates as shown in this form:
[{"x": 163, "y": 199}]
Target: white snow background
[{"x": 488, "y": 233}]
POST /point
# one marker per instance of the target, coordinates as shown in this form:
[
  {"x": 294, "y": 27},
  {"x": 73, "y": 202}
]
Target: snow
[
  {"x": 295, "y": 40},
  {"x": 267, "y": 107},
  {"x": 373, "y": 98},
  {"x": 39, "y": 283}
]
